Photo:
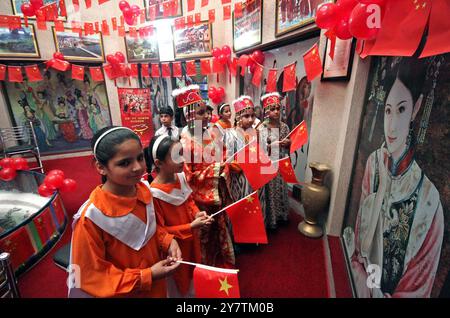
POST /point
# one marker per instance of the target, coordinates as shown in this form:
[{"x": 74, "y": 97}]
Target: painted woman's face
[{"x": 397, "y": 118}]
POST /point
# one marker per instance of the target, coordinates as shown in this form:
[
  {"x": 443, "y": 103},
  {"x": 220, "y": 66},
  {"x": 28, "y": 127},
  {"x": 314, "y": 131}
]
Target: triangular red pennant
[
  {"x": 191, "y": 69},
  {"x": 78, "y": 72},
  {"x": 165, "y": 70},
  {"x": 176, "y": 69},
  {"x": 155, "y": 70},
  {"x": 247, "y": 220},
  {"x": 205, "y": 66},
  {"x": 33, "y": 73},
  {"x": 96, "y": 74},
  {"x": 287, "y": 171},
  {"x": 289, "y": 78},
  {"x": 271, "y": 81},
  {"x": 15, "y": 74},
  {"x": 298, "y": 136},
  {"x": 312, "y": 62},
  {"x": 211, "y": 282},
  {"x": 257, "y": 75}
]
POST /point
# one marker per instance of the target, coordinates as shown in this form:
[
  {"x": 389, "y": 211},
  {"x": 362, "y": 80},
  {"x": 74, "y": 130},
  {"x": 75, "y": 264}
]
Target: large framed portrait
[
  {"x": 340, "y": 67},
  {"x": 396, "y": 231},
  {"x": 294, "y": 14},
  {"x": 66, "y": 113},
  {"x": 160, "y": 8},
  {"x": 247, "y": 29},
  {"x": 16, "y": 4},
  {"x": 192, "y": 42},
  {"x": 85, "y": 48},
  {"x": 19, "y": 43},
  {"x": 142, "y": 49}
]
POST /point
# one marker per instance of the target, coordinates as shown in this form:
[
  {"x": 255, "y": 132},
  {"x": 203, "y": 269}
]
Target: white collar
[{"x": 176, "y": 196}]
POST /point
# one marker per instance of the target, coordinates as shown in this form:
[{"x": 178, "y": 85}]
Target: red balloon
[
  {"x": 135, "y": 10},
  {"x": 253, "y": 68},
  {"x": 37, "y": 4},
  {"x": 112, "y": 59},
  {"x": 326, "y": 16},
  {"x": 358, "y": 23},
  {"x": 250, "y": 61},
  {"x": 214, "y": 118},
  {"x": 7, "y": 163},
  {"x": 120, "y": 57},
  {"x": 56, "y": 171},
  {"x": 342, "y": 30},
  {"x": 223, "y": 59},
  {"x": 216, "y": 100},
  {"x": 344, "y": 8},
  {"x": 216, "y": 52},
  {"x": 123, "y": 4},
  {"x": 45, "y": 191},
  {"x": 8, "y": 174},
  {"x": 130, "y": 19},
  {"x": 258, "y": 57},
  {"x": 58, "y": 56},
  {"x": 221, "y": 92},
  {"x": 54, "y": 181},
  {"x": 379, "y": 2},
  {"x": 226, "y": 50},
  {"x": 21, "y": 164},
  {"x": 211, "y": 92},
  {"x": 28, "y": 10},
  {"x": 69, "y": 185}
]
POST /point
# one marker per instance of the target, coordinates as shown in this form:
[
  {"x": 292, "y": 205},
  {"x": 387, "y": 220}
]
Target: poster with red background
[{"x": 135, "y": 110}]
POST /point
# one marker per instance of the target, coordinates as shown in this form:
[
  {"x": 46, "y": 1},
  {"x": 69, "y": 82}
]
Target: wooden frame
[
  {"x": 189, "y": 42},
  {"x": 159, "y": 15},
  {"x": 246, "y": 18},
  {"x": 340, "y": 68},
  {"x": 35, "y": 54},
  {"x": 15, "y": 5},
  {"x": 98, "y": 56},
  {"x": 132, "y": 57},
  {"x": 303, "y": 21}
]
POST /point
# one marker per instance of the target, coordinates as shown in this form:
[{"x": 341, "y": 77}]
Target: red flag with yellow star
[
  {"x": 402, "y": 27},
  {"x": 313, "y": 64},
  {"x": 287, "y": 171},
  {"x": 298, "y": 136},
  {"x": 439, "y": 29},
  {"x": 247, "y": 220},
  {"x": 213, "y": 282},
  {"x": 256, "y": 165}
]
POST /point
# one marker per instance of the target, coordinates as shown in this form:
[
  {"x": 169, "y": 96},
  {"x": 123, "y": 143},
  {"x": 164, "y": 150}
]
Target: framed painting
[
  {"x": 247, "y": 29},
  {"x": 142, "y": 49},
  {"x": 292, "y": 14},
  {"x": 16, "y": 4},
  {"x": 397, "y": 223},
  {"x": 192, "y": 42},
  {"x": 85, "y": 48},
  {"x": 66, "y": 112},
  {"x": 340, "y": 67},
  {"x": 19, "y": 43},
  {"x": 160, "y": 9}
]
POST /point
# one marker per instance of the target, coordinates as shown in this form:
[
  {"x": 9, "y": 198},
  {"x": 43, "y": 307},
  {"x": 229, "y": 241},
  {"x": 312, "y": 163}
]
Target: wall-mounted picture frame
[
  {"x": 16, "y": 4},
  {"x": 192, "y": 42},
  {"x": 142, "y": 49},
  {"x": 291, "y": 15},
  {"x": 247, "y": 29},
  {"x": 85, "y": 48},
  {"x": 19, "y": 43},
  {"x": 340, "y": 67},
  {"x": 160, "y": 9}
]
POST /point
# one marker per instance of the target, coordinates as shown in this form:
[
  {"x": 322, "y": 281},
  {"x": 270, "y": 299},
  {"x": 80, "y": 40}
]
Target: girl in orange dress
[
  {"x": 176, "y": 210},
  {"x": 225, "y": 118},
  {"x": 116, "y": 245}
]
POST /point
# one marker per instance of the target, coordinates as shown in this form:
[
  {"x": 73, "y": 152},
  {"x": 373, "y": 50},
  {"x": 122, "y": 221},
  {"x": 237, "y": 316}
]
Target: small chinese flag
[
  {"x": 287, "y": 171},
  {"x": 105, "y": 27},
  {"x": 96, "y": 74},
  {"x": 77, "y": 72},
  {"x": 175, "y": 5},
  {"x": 15, "y": 74},
  {"x": 152, "y": 12},
  {"x": 155, "y": 70},
  {"x": 44, "y": 223},
  {"x": 62, "y": 8},
  {"x": 257, "y": 75},
  {"x": 121, "y": 30},
  {"x": 76, "y": 5},
  {"x": 238, "y": 9},
  {"x": 217, "y": 66},
  {"x": 226, "y": 1},
  {"x": 226, "y": 12},
  {"x": 232, "y": 66},
  {"x": 134, "y": 70},
  {"x": 271, "y": 81},
  {"x": 439, "y": 30},
  {"x": 60, "y": 65},
  {"x": 289, "y": 77},
  {"x": 41, "y": 25},
  {"x": 97, "y": 27},
  {"x": 190, "y": 21},
  {"x": 145, "y": 71},
  {"x": 298, "y": 136},
  {"x": 213, "y": 282},
  {"x": 59, "y": 26},
  {"x": 212, "y": 15},
  {"x": 176, "y": 69},
  {"x": 165, "y": 70},
  {"x": 190, "y": 5},
  {"x": 198, "y": 18},
  {"x": 191, "y": 69},
  {"x": 313, "y": 64},
  {"x": 205, "y": 65},
  {"x": 205, "y": 3},
  {"x": 180, "y": 23},
  {"x": 114, "y": 23},
  {"x": 88, "y": 3},
  {"x": 256, "y": 165},
  {"x": 2, "y": 72},
  {"x": 88, "y": 28},
  {"x": 247, "y": 220},
  {"x": 33, "y": 73},
  {"x": 167, "y": 8},
  {"x": 50, "y": 11},
  {"x": 20, "y": 253},
  {"x": 133, "y": 32},
  {"x": 402, "y": 28}
]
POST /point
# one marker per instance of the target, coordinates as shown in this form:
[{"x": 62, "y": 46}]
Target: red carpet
[
  {"x": 290, "y": 266},
  {"x": 340, "y": 273}
]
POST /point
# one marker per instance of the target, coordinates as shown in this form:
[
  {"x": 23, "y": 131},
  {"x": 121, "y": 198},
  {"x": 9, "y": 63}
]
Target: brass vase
[{"x": 315, "y": 198}]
